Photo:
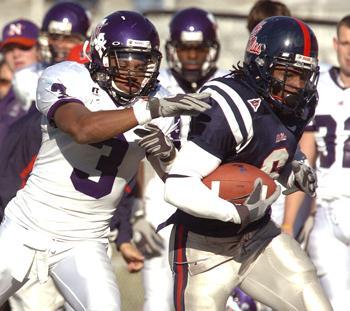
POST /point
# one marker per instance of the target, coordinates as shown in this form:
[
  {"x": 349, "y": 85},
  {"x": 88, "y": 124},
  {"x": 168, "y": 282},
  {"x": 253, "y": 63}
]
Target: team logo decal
[
  {"x": 255, "y": 103},
  {"x": 99, "y": 41},
  {"x": 253, "y": 45}
]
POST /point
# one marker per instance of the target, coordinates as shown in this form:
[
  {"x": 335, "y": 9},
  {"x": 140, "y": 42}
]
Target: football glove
[
  {"x": 146, "y": 239},
  {"x": 255, "y": 206},
  {"x": 304, "y": 179},
  {"x": 155, "y": 142},
  {"x": 180, "y": 104}
]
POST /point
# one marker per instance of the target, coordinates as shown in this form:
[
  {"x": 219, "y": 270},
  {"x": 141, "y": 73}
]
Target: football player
[
  {"x": 326, "y": 144},
  {"x": 191, "y": 52},
  {"x": 58, "y": 224},
  {"x": 258, "y": 115}
]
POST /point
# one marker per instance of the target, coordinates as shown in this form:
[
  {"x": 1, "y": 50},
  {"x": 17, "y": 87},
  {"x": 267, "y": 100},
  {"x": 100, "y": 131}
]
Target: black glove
[
  {"x": 255, "y": 206},
  {"x": 305, "y": 179},
  {"x": 156, "y": 143},
  {"x": 180, "y": 104}
]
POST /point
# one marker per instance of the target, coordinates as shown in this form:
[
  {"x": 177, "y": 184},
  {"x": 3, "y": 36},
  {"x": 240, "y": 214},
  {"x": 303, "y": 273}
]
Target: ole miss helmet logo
[{"x": 253, "y": 45}]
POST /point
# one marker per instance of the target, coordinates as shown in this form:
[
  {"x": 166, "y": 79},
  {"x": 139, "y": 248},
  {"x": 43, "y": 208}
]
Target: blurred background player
[
  {"x": 64, "y": 26},
  {"x": 192, "y": 51},
  {"x": 327, "y": 141}
]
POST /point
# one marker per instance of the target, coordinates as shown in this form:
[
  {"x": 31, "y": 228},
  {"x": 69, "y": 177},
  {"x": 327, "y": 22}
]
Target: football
[{"x": 235, "y": 181}]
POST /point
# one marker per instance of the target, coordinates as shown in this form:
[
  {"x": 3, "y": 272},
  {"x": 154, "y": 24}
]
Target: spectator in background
[
  {"x": 20, "y": 44},
  {"x": 326, "y": 144},
  {"x": 19, "y": 47},
  {"x": 263, "y": 9}
]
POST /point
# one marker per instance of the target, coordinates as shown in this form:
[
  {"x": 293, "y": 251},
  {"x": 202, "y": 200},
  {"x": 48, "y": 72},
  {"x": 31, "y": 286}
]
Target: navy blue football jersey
[{"x": 240, "y": 127}]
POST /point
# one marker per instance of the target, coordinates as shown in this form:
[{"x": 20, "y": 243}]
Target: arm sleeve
[
  {"x": 185, "y": 190},
  {"x": 121, "y": 220}
]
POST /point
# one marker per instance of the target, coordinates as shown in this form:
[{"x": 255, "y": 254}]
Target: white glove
[
  {"x": 255, "y": 206},
  {"x": 180, "y": 104},
  {"x": 304, "y": 178},
  {"x": 155, "y": 142},
  {"x": 146, "y": 239}
]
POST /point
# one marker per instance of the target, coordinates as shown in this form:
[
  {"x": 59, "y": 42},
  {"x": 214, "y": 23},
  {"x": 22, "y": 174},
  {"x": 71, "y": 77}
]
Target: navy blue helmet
[
  {"x": 286, "y": 44},
  {"x": 122, "y": 39},
  {"x": 193, "y": 27}
]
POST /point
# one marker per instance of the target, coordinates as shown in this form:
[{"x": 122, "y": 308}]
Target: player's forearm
[
  {"x": 193, "y": 197},
  {"x": 292, "y": 205},
  {"x": 101, "y": 125}
]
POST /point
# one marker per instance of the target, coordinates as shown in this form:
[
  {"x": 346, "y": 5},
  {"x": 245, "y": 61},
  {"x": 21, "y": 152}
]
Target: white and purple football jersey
[
  {"x": 332, "y": 131},
  {"x": 74, "y": 188}
]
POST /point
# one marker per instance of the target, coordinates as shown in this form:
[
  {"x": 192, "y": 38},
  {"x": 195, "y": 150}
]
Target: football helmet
[
  {"x": 125, "y": 56},
  {"x": 193, "y": 31},
  {"x": 280, "y": 48},
  {"x": 65, "y": 25}
]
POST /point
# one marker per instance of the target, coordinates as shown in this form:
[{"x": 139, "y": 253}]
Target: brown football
[{"x": 235, "y": 181}]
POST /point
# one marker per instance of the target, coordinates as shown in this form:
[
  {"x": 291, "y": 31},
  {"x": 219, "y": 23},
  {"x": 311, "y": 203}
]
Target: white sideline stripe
[{"x": 247, "y": 119}]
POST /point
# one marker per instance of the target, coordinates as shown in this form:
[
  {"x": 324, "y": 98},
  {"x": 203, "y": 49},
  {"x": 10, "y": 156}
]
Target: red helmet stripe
[{"x": 307, "y": 37}]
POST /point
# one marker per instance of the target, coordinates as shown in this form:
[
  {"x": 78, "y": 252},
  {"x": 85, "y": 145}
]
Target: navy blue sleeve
[
  {"x": 124, "y": 226},
  {"x": 121, "y": 219}
]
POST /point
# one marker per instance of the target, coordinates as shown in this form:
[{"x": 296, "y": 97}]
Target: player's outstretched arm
[{"x": 86, "y": 126}]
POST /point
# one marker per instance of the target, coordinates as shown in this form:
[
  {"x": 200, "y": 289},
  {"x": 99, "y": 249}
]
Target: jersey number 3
[{"x": 107, "y": 165}]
